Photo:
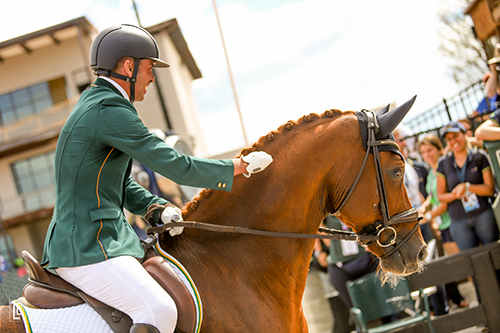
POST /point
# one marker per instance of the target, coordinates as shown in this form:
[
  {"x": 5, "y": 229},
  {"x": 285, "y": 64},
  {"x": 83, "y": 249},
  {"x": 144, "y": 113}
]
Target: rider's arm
[
  {"x": 138, "y": 199},
  {"x": 121, "y": 127}
]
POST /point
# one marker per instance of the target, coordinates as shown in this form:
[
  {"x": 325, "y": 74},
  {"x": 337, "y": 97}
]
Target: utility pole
[
  {"x": 163, "y": 104},
  {"x": 136, "y": 13},
  {"x": 233, "y": 85}
]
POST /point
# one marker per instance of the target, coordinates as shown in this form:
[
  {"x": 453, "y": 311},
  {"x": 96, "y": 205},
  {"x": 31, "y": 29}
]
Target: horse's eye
[{"x": 398, "y": 173}]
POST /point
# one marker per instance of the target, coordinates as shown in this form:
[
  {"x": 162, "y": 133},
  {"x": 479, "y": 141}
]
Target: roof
[
  {"x": 174, "y": 31},
  {"x": 44, "y": 37},
  {"x": 57, "y": 33}
]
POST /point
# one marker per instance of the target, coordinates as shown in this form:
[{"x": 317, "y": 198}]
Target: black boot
[{"x": 143, "y": 328}]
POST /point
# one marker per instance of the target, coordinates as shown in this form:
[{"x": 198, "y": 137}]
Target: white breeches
[{"x": 124, "y": 284}]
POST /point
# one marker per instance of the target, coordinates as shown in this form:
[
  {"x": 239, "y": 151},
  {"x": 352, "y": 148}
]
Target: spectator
[
  {"x": 347, "y": 261},
  {"x": 491, "y": 101},
  {"x": 321, "y": 251},
  {"x": 487, "y": 104},
  {"x": 473, "y": 141},
  {"x": 491, "y": 80},
  {"x": 490, "y": 129},
  {"x": 465, "y": 182},
  {"x": 434, "y": 211},
  {"x": 412, "y": 183}
]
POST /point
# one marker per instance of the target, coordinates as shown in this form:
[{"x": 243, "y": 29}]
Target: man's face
[
  {"x": 400, "y": 141},
  {"x": 145, "y": 76}
]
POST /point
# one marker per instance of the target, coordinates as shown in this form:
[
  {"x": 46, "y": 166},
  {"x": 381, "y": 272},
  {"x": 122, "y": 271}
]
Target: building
[{"x": 43, "y": 74}]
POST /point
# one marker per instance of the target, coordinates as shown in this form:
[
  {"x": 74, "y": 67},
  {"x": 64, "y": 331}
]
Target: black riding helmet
[{"x": 126, "y": 40}]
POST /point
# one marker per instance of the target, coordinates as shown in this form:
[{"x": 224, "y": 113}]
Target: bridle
[
  {"x": 385, "y": 225},
  {"x": 367, "y": 235}
]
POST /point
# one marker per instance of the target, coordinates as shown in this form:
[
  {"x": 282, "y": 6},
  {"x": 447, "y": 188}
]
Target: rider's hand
[
  {"x": 172, "y": 214},
  {"x": 257, "y": 161}
]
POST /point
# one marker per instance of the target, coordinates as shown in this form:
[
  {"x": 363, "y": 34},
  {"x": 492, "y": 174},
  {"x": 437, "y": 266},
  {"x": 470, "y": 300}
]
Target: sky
[{"x": 288, "y": 58}]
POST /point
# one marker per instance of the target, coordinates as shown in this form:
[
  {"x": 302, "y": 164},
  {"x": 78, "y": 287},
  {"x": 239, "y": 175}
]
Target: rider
[{"x": 89, "y": 243}]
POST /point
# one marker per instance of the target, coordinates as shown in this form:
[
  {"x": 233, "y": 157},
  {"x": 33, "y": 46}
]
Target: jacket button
[
  {"x": 224, "y": 185},
  {"x": 219, "y": 185}
]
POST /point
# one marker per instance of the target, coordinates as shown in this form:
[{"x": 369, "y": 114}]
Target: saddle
[{"x": 48, "y": 291}]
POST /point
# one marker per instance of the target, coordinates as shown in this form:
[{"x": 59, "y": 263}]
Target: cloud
[{"x": 315, "y": 55}]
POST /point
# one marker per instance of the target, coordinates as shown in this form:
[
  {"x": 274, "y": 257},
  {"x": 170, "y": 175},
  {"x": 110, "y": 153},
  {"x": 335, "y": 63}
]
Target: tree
[{"x": 466, "y": 54}]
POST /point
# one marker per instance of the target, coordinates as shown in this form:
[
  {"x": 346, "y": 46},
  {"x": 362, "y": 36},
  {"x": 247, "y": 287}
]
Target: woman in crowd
[
  {"x": 465, "y": 182},
  {"x": 434, "y": 211}
]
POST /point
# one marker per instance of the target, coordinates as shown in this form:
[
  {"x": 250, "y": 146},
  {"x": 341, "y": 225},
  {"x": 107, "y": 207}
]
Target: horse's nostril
[{"x": 423, "y": 253}]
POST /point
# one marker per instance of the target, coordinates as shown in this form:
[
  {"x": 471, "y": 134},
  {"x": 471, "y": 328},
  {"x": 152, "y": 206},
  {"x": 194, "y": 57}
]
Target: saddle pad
[
  {"x": 79, "y": 319},
  {"x": 188, "y": 282}
]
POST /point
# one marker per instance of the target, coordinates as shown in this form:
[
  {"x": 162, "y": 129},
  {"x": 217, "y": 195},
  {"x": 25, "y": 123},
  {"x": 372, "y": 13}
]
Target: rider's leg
[{"x": 124, "y": 284}]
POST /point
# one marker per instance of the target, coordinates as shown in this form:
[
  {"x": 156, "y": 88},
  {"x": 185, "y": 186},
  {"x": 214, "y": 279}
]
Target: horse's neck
[{"x": 289, "y": 196}]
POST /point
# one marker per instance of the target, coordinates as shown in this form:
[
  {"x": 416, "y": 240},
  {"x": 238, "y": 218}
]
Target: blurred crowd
[{"x": 452, "y": 177}]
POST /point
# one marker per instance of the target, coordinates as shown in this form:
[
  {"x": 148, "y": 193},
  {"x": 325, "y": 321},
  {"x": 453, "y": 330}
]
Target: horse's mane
[{"x": 260, "y": 144}]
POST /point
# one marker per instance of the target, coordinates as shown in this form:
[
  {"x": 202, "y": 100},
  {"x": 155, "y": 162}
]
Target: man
[{"x": 89, "y": 243}]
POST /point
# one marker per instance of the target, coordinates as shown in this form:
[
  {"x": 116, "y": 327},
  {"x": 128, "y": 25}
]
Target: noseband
[{"x": 378, "y": 228}]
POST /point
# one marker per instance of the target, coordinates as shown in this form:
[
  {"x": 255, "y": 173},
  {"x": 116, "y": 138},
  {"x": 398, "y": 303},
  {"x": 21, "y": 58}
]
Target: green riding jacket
[{"x": 93, "y": 160}]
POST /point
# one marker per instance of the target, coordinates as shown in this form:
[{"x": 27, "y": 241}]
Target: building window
[
  {"x": 31, "y": 100},
  {"x": 34, "y": 177}
]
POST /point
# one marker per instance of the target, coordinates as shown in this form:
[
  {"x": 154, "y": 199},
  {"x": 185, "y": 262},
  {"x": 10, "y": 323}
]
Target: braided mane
[{"x": 261, "y": 142}]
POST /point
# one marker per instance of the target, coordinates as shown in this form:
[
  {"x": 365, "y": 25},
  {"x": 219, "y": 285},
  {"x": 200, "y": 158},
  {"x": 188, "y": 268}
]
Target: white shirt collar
[{"x": 120, "y": 88}]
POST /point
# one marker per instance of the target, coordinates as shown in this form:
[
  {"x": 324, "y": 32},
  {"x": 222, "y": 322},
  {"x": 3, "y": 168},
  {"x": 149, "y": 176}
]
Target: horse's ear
[
  {"x": 383, "y": 110},
  {"x": 390, "y": 120}
]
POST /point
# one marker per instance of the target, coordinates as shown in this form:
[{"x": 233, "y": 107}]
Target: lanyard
[{"x": 461, "y": 172}]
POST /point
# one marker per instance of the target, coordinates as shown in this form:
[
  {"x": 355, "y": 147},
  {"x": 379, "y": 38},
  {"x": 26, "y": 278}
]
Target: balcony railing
[
  {"x": 456, "y": 107},
  {"x": 24, "y": 204},
  {"x": 51, "y": 118}
]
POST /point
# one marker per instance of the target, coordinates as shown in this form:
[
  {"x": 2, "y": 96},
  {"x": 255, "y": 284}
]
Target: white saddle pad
[
  {"x": 79, "y": 319},
  {"x": 83, "y": 319}
]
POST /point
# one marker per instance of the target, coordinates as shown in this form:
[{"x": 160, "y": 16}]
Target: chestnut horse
[{"x": 251, "y": 283}]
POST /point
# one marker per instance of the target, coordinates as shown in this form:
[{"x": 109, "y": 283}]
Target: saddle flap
[
  {"x": 161, "y": 271},
  {"x": 49, "y": 299}
]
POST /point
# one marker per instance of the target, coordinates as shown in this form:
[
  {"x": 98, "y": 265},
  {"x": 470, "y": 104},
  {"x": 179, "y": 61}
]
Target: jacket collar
[{"x": 100, "y": 82}]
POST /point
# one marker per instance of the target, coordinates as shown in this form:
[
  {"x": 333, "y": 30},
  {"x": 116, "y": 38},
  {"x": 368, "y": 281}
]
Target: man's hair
[{"x": 121, "y": 62}]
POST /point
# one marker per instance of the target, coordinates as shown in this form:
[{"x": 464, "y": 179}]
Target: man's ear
[{"x": 128, "y": 66}]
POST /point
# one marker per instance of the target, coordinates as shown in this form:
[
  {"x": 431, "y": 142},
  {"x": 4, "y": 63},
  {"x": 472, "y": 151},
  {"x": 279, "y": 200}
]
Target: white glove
[
  {"x": 258, "y": 161},
  {"x": 172, "y": 214}
]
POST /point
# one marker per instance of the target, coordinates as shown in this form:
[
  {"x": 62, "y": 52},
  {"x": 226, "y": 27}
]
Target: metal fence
[{"x": 456, "y": 107}]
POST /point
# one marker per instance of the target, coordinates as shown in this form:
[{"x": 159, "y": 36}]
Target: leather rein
[{"x": 369, "y": 234}]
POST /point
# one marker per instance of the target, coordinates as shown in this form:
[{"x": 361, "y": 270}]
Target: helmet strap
[{"x": 131, "y": 80}]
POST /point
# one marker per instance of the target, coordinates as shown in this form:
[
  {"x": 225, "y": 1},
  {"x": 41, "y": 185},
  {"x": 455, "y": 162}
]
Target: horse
[{"x": 332, "y": 162}]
